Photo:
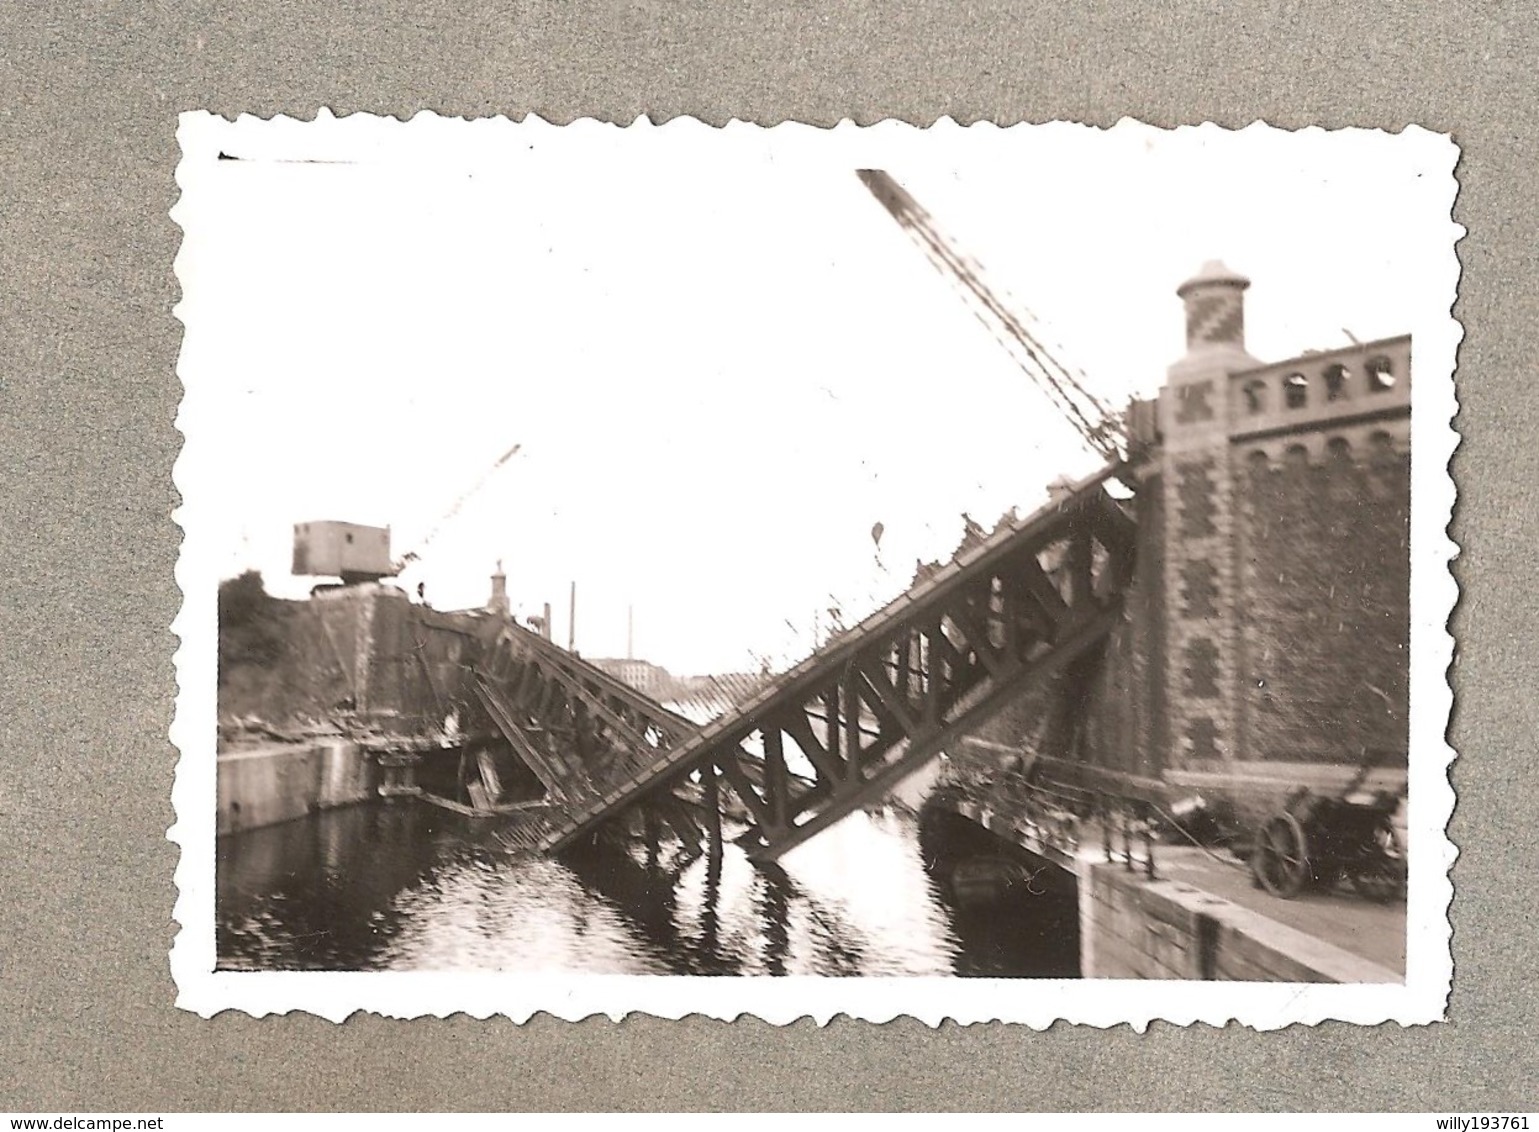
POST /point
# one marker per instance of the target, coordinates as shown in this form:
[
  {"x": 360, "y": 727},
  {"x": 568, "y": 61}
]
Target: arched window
[
  {"x": 1381, "y": 374},
  {"x": 1255, "y": 397},
  {"x": 1296, "y": 390},
  {"x": 1336, "y": 378},
  {"x": 1339, "y": 448}
]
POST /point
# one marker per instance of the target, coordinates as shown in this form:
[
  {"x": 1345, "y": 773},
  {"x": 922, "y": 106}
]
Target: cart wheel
[
  {"x": 1379, "y": 875},
  {"x": 1282, "y": 857}
]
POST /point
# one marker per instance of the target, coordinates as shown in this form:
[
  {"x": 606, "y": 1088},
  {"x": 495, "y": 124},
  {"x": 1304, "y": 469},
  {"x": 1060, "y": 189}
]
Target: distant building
[
  {"x": 727, "y": 687},
  {"x": 704, "y": 695},
  {"x": 648, "y": 678}
]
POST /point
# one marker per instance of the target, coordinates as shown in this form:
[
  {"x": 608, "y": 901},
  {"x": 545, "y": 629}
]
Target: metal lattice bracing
[
  {"x": 842, "y": 728},
  {"x": 575, "y": 727}
]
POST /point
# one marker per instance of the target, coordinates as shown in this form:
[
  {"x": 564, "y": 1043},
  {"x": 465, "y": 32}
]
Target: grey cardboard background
[{"x": 87, "y": 118}]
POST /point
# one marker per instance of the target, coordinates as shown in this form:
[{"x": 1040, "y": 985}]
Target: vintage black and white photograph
[{"x": 965, "y": 573}]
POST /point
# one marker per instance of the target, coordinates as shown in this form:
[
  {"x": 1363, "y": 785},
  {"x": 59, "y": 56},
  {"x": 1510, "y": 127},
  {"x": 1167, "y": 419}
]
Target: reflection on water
[{"x": 403, "y": 886}]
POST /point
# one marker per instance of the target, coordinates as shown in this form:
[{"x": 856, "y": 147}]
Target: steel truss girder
[
  {"x": 574, "y": 726},
  {"x": 918, "y": 748},
  {"x": 888, "y": 696}
]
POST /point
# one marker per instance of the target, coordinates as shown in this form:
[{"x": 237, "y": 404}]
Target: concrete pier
[{"x": 265, "y": 785}]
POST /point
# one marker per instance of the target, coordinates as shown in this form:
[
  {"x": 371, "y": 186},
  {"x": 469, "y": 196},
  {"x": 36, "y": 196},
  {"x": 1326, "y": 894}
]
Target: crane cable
[
  {"x": 987, "y": 307},
  {"x": 1051, "y": 376},
  {"x": 1091, "y": 417}
]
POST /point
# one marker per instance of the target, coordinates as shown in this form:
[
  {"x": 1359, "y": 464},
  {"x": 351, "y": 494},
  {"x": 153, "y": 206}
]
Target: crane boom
[
  {"x": 454, "y": 509},
  {"x": 1095, "y": 421}
]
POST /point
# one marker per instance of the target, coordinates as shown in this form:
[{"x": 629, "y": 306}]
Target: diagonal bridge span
[{"x": 839, "y": 730}]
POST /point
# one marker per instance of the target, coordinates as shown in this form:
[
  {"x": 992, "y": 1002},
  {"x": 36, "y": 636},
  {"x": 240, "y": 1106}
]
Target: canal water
[{"x": 403, "y": 885}]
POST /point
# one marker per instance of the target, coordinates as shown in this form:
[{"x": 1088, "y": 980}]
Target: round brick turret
[
  {"x": 1215, "y": 307},
  {"x": 1194, "y": 402}
]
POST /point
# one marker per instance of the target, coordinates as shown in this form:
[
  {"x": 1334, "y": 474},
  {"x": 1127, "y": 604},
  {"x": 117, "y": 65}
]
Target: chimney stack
[{"x": 498, "y": 603}]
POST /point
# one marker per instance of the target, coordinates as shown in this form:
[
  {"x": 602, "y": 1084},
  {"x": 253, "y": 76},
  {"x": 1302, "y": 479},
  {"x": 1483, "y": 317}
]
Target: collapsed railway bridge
[{"x": 856, "y": 717}]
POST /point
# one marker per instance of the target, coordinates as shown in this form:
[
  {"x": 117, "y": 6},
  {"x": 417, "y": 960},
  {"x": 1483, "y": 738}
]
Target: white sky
[{"x": 722, "y": 358}]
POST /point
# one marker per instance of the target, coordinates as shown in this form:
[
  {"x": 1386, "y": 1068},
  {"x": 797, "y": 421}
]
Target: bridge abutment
[
  {"x": 1175, "y": 923},
  {"x": 1135, "y": 927}
]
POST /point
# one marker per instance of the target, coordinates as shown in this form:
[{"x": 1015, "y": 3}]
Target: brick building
[
  {"x": 648, "y": 678},
  {"x": 1264, "y": 643}
]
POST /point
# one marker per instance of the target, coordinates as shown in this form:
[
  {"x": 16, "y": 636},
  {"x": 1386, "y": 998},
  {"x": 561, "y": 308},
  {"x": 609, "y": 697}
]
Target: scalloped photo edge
[{"x": 374, "y": 308}]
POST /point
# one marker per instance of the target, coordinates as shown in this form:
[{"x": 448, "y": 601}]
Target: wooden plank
[
  {"x": 501, "y": 810},
  {"x": 533, "y": 758},
  {"x": 489, "y": 776}
]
